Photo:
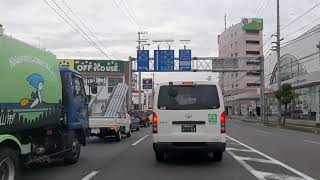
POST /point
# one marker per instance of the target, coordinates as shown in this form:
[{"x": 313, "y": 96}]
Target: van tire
[
  {"x": 12, "y": 156},
  {"x": 217, "y": 156},
  {"x": 138, "y": 129},
  {"x": 159, "y": 156}
]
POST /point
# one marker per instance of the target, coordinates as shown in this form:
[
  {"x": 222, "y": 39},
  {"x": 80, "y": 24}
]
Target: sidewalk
[{"x": 294, "y": 124}]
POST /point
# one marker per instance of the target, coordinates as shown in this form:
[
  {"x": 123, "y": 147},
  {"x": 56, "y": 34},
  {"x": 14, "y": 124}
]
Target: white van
[{"x": 189, "y": 116}]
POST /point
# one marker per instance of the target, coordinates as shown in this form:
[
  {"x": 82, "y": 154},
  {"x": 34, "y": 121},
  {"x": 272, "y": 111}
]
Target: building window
[
  {"x": 252, "y": 42},
  {"x": 231, "y": 45},
  {"x": 232, "y": 75},
  {"x": 236, "y": 43},
  {"x": 231, "y": 54},
  {"x": 252, "y": 32},
  {"x": 236, "y": 85},
  {"x": 236, "y": 54},
  {"x": 253, "y": 84},
  {"x": 253, "y": 74},
  {"x": 232, "y": 86},
  {"x": 253, "y": 52},
  {"x": 290, "y": 67},
  {"x": 236, "y": 74},
  {"x": 231, "y": 35},
  {"x": 112, "y": 82},
  {"x": 253, "y": 63}
]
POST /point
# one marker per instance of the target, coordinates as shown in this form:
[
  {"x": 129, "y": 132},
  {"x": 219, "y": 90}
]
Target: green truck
[{"x": 43, "y": 108}]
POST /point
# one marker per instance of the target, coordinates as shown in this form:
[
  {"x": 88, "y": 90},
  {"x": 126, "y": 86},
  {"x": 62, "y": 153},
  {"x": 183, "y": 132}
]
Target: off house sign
[{"x": 99, "y": 66}]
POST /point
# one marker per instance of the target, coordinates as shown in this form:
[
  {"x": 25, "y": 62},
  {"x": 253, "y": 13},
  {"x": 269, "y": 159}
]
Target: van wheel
[
  {"x": 9, "y": 164},
  {"x": 159, "y": 156},
  {"x": 138, "y": 129},
  {"x": 217, "y": 156},
  {"x": 72, "y": 156},
  {"x": 118, "y": 136}
]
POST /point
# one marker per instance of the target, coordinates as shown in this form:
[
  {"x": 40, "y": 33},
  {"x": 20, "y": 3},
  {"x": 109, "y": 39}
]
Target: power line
[
  {"x": 307, "y": 34},
  {"x": 83, "y": 24},
  {"x": 86, "y": 35},
  {"x": 132, "y": 20},
  {"x": 130, "y": 11},
  {"x": 312, "y": 8},
  {"x": 258, "y": 7},
  {"x": 264, "y": 8},
  {"x": 303, "y": 27}
]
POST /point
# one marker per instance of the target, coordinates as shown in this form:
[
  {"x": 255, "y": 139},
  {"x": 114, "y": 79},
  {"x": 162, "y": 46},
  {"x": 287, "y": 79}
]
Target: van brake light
[
  {"x": 154, "y": 123},
  {"x": 223, "y": 122}
]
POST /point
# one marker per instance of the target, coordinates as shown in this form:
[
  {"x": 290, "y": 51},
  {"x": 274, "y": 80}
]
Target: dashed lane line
[
  {"x": 313, "y": 142},
  {"x": 264, "y": 175},
  {"x": 141, "y": 139},
  {"x": 91, "y": 175},
  {"x": 263, "y": 132}
]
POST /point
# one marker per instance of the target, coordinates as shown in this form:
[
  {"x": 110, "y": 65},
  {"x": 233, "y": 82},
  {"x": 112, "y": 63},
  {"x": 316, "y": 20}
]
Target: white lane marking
[
  {"x": 258, "y": 175},
  {"x": 313, "y": 142},
  {"x": 254, "y": 159},
  {"x": 89, "y": 176},
  {"x": 230, "y": 143},
  {"x": 236, "y": 149},
  {"x": 279, "y": 176},
  {"x": 270, "y": 158},
  {"x": 264, "y": 132},
  {"x": 141, "y": 139}
]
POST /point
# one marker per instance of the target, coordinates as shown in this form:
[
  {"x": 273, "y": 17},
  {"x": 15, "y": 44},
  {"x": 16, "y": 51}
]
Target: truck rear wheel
[
  {"x": 72, "y": 156},
  {"x": 118, "y": 136},
  {"x": 9, "y": 164}
]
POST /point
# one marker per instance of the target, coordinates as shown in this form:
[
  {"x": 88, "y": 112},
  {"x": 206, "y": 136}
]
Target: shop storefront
[
  {"x": 106, "y": 73},
  {"x": 300, "y": 67}
]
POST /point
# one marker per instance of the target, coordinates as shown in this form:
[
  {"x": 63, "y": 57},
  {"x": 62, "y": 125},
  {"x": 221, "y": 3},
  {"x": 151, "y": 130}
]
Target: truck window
[
  {"x": 79, "y": 87},
  {"x": 181, "y": 97}
]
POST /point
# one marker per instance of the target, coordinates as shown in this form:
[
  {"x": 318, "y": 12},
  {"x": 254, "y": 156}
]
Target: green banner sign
[
  {"x": 99, "y": 66},
  {"x": 252, "y": 24}
]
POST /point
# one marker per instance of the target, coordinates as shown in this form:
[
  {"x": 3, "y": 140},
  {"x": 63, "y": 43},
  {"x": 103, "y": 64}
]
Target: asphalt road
[{"x": 253, "y": 152}]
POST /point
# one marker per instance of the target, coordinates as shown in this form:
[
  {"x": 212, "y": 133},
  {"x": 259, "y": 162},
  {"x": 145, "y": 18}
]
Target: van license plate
[{"x": 189, "y": 128}]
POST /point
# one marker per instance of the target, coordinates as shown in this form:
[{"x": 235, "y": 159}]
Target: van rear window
[{"x": 191, "y": 97}]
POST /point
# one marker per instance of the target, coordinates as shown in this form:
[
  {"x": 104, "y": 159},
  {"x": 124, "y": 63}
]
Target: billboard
[
  {"x": 99, "y": 66},
  {"x": 252, "y": 24},
  {"x": 147, "y": 83}
]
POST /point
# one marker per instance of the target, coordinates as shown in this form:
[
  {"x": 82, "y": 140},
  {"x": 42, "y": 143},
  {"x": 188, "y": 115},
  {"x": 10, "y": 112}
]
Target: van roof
[{"x": 186, "y": 82}]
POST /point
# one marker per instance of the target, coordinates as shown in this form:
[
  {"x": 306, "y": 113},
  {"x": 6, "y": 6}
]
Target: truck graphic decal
[{"x": 37, "y": 81}]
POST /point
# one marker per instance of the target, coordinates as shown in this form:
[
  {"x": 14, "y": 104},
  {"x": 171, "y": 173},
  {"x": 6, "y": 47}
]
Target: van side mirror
[{"x": 94, "y": 88}]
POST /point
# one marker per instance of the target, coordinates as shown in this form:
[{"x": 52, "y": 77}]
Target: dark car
[
  {"x": 135, "y": 123},
  {"x": 143, "y": 118}
]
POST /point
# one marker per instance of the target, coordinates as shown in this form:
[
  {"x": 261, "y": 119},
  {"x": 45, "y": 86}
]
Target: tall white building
[{"x": 241, "y": 89}]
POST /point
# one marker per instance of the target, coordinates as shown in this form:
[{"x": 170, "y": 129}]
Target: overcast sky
[{"x": 198, "y": 20}]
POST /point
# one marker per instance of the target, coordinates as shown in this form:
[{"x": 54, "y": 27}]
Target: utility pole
[
  {"x": 278, "y": 59},
  {"x": 130, "y": 84},
  {"x": 262, "y": 92},
  {"x": 139, "y": 78}
]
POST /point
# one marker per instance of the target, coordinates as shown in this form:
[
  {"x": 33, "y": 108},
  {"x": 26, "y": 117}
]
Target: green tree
[{"x": 285, "y": 95}]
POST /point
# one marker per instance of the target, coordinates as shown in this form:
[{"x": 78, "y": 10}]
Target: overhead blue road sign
[
  {"x": 143, "y": 60},
  {"x": 185, "y": 60},
  {"x": 164, "y": 60}
]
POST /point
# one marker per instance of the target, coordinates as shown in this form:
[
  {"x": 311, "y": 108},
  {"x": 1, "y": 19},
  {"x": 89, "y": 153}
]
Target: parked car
[
  {"x": 143, "y": 118},
  {"x": 135, "y": 123},
  {"x": 189, "y": 116}
]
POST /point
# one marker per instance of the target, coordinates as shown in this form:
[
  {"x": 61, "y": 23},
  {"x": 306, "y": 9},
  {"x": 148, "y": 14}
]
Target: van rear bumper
[{"x": 190, "y": 147}]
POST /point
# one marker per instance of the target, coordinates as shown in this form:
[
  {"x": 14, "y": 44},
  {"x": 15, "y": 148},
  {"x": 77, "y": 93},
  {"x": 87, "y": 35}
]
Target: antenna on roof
[
  {"x": 225, "y": 21},
  {"x": 1, "y": 30}
]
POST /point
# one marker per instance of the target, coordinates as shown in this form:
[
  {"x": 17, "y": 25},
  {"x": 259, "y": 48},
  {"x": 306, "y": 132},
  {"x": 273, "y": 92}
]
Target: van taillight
[
  {"x": 154, "y": 123},
  {"x": 223, "y": 122}
]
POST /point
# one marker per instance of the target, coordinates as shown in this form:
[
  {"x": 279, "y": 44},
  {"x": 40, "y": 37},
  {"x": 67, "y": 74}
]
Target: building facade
[
  {"x": 106, "y": 73},
  {"x": 241, "y": 89},
  {"x": 300, "y": 67}
]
